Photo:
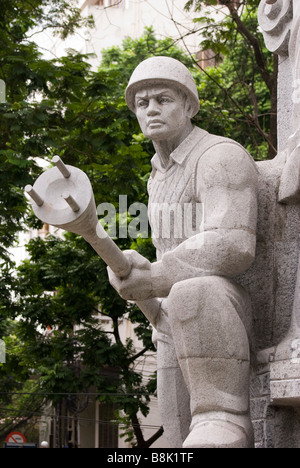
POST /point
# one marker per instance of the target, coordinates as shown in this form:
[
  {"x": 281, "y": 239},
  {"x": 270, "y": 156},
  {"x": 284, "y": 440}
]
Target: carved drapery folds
[
  {"x": 275, "y": 18},
  {"x": 280, "y": 23}
]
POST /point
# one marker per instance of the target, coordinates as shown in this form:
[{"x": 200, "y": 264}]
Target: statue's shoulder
[
  {"x": 223, "y": 161},
  {"x": 216, "y": 149}
]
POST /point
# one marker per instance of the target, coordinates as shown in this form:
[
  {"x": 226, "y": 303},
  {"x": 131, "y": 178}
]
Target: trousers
[{"x": 203, "y": 336}]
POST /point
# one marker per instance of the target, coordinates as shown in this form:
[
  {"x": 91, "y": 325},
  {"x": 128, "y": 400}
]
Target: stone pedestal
[{"x": 285, "y": 383}]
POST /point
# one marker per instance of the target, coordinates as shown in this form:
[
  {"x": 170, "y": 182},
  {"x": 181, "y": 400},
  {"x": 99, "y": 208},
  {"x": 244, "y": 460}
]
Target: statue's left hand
[{"x": 137, "y": 286}]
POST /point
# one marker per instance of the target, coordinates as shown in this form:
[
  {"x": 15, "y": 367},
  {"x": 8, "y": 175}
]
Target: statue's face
[{"x": 161, "y": 112}]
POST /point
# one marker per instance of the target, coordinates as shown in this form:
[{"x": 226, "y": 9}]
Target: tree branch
[
  {"x": 137, "y": 355},
  {"x": 252, "y": 41},
  {"x": 141, "y": 443},
  {"x": 155, "y": 436}
]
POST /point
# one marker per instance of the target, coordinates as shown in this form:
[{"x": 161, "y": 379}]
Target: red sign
[{"x": 16, "y": 437}]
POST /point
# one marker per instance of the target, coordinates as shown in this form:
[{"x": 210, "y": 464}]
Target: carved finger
[{"x": 114, "y": 280}]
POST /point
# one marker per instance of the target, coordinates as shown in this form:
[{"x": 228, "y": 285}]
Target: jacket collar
[{"x": 180, "y": 154}]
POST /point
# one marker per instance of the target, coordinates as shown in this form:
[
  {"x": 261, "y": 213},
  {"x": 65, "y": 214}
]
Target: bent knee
[
  {"x": 204, "y": 295},
  {"x": 201, "y": 287}
]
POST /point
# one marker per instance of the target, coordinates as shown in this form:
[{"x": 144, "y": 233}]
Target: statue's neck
[{"x": 164, "y": 148}]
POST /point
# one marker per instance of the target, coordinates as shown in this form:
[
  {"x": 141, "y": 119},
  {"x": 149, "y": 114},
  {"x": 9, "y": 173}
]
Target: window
[
  {"x": 206, "y": 58},
  {"x": 92, "y": 3},
  {"x": 116, "y": 3},
  {"x": 108, "y": 427}
]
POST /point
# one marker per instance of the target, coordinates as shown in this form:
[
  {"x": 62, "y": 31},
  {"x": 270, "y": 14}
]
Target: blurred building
[{"x": 117, "y": 19}]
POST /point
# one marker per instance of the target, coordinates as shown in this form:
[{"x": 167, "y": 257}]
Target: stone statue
[
  {"x": 226, "y": 283},
  {"x": 203, "y": 214},
  {"x": 203, "y": 318},
  {"x": 280, "y": 22},
  {"x": 273, "y": 280}
]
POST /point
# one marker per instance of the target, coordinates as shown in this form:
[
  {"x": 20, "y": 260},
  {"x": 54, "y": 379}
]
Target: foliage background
[{"x": 49, "y": 305}]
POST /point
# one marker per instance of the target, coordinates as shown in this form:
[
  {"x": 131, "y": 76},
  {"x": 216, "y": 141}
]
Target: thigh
[{"x": 210, "y": 316}]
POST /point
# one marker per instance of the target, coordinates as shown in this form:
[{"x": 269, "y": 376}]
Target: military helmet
[{"x": 157, "y": 70}]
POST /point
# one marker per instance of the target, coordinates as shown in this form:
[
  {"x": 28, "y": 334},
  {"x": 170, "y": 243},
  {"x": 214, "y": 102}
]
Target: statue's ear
[{"x": 189, "y": 109}]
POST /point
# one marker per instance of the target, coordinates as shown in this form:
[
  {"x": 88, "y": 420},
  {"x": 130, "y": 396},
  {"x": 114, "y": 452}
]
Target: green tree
[
  {"x": 62, "y": 107},
  {"x": 240, "y": 96},
  {"x": 82, "y": 116},
  {"x": 24, "y": 73}
]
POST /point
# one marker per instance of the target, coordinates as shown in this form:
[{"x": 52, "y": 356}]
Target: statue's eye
[
  {"x": 142, "y": 103},
  {"x": 164, "y": 100}
]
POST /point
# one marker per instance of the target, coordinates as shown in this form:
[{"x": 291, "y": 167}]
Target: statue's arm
[{"x": 226, "y": 185}]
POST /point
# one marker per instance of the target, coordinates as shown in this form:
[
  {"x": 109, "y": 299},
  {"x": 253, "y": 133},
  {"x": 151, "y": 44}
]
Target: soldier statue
[{"x": 201, "y": 316}]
